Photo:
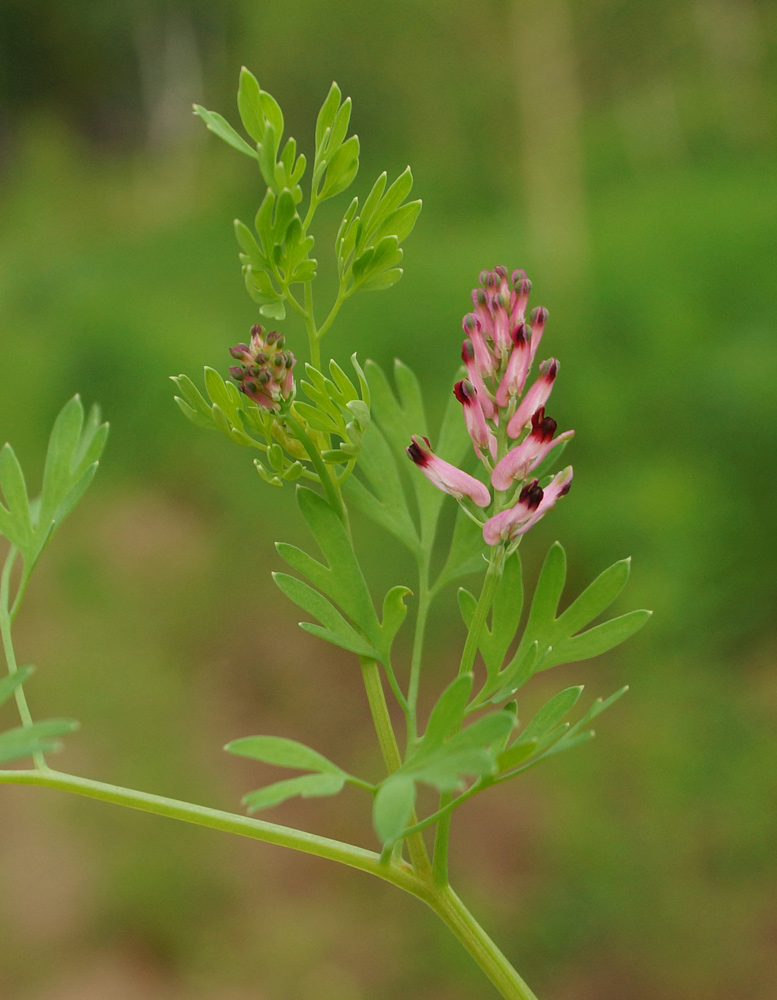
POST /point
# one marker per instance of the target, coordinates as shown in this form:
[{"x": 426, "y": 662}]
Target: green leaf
[
  {"x": 393, "y": 807},
  {"x": 447, "y": 768},
  {"x": 385, "y": 502},
  {"x": 546, "y": 597},
  {"x": 24, "y": 741},
  {"x": 382, "y": 281},
  {"x": 307, "y": 786},
  {"x": 595, "y": 599},
  {"x": 17, "y": 525},
  {"x": 551, "y": 713},
  {"x": 326, "y": 115},
  {"x": 597, "y": 640},
  {"x": 517, "y": 754},
  {"x": 394, "y": 612},
  {"x": 249, "y": 104},
  {"x": 400, "y": 222},
  {"x": 342, "y": 578},
  {"x": 342, "y": 168},
  {"x": 335, "y": 628},
  {"x": 465, "y": 555},
  {"x": 283, "y": 753},
  {"x": 221, "y": 127},
  {"x": 516, "y": 673},
  {"x": 11, "y": 682},
  {"x": 447, "y": 715}
]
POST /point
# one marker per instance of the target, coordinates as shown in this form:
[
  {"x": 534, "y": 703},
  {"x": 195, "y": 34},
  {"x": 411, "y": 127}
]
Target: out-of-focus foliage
[{"x": 624, "y": 156}]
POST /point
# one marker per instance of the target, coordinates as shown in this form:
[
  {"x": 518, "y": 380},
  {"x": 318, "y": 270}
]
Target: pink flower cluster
[
  {"x": 265, "y": 370},
  {"x": 498, "y": 354}
]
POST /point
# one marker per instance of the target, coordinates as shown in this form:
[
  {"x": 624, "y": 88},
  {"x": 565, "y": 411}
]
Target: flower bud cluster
[
  {"x": 265, "y": 370},
  {"x": 498, "y": 354}
]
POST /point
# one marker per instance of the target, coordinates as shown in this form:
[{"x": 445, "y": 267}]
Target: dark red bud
[
  {"x": 549, "y": 368},
  {"x": 531, "y": 494},
  {"x": 271, "y": 338},
  {"x": 565, "y": 489},
  {"x": 238, "y": 374},
  {"x": 518, "y": 334},
  {"x": 543, "y": 427},
  {"x": 464, "y": 392},
  {"x": 239, "y": 351},
  {"x": 256, "y": 330},
  {"x": 416, "y": 454},
  {"x": 467, "y": 352},
  {"x": 539, "y": 315}
]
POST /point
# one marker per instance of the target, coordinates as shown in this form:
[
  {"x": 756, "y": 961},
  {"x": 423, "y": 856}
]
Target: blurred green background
[{"x": 624, "y": 154}]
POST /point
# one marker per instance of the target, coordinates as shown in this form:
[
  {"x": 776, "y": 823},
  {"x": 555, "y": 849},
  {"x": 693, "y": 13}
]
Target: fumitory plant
[{"x": 350, "y": 439}]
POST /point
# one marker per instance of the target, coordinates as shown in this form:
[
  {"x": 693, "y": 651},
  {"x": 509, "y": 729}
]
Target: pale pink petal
[
  {"x": 536, "y": 397},
  {"x": 445, "y": 476}
]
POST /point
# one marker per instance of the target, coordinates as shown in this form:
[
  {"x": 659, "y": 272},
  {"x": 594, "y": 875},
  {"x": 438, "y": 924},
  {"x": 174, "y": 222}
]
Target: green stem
[
  {"x": 323, "y": 473},
  {"x": 443, "y": 832},
  {"x": 447, "y": 905},
  {"x": 424, "y": 601},
  {"x": 390, "y": 750},
  {"x": 6, "y": 616},
  {"x": 244, "y": 826},
  {"x": 443, "y": 901},
  {"x": 342, "y": 295}
]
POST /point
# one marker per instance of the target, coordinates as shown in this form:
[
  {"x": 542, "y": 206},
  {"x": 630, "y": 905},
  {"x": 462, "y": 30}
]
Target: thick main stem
[
  {"x": 443, "y": 901},
  {"x": 217, "y": 819},
  {"x": 447, "y": 905}
]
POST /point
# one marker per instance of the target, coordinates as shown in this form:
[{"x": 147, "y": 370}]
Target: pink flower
[
  {"x": 445, "y": 476},
  {"x": 518, "y": 463},
  {"x": 536, "y": 397},
  {"x": 482, "y": 437},
  {"x": 517, "y": 367},
  {"x": 533, "y": 503},
  {"x": 473, "y": 374}
]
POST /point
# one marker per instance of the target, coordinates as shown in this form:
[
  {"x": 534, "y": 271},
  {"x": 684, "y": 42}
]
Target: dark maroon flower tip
[
  {"x": 237, "y": 373},
  {"x": 549, "y": 368},
  {"x": 531, "y": 494},
  {"x": 565, "y": 489},
  {"x": 239, "y": 350},
  {"x": 464, "y": 392},
  {"x": 539, "y": 315},
  {"x": 416, "y": 454},
  {"x": 518, "y": 335},
  {"x": 467, "y": 352},
  {"x": 256, "y": 330}
]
